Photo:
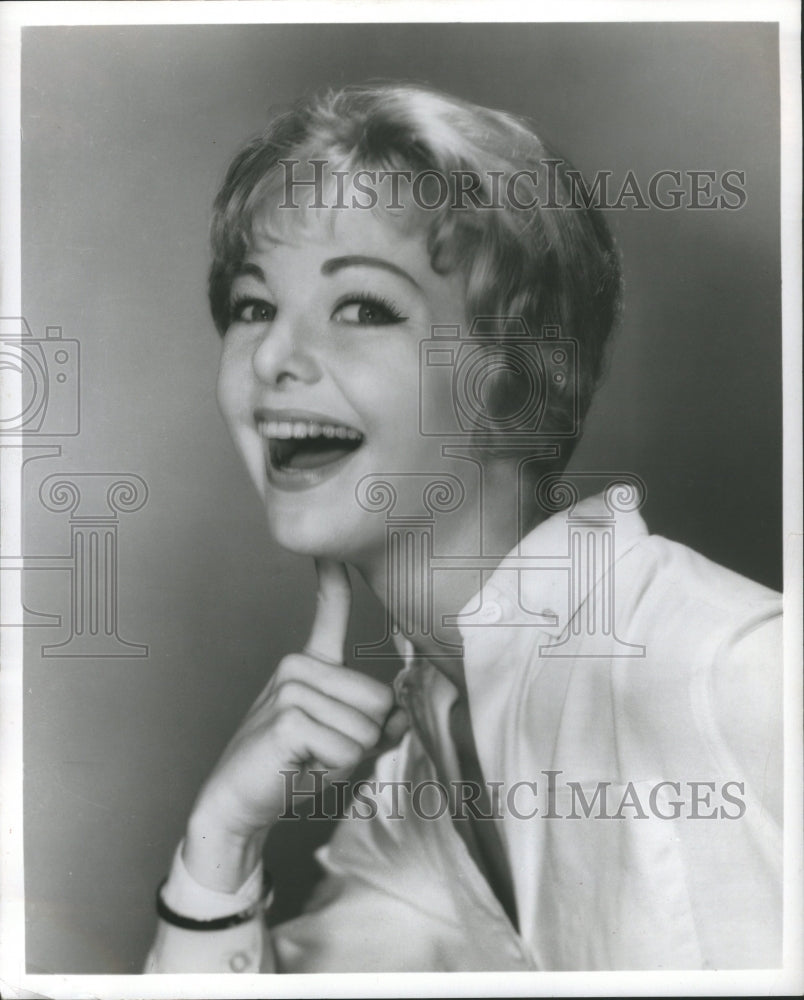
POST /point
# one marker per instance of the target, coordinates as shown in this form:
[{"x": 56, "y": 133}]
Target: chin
[{"x": 312, "y": 533}]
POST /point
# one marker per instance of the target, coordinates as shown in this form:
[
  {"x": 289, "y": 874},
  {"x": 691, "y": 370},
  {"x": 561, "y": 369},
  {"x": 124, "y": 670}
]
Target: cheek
[
  {"x": 388, "y": 391},
  {"x": 234, "y": 398},
  {"x": 235, "y": 377},
  {"x": 225, "y": 394},
  {"x": 384, "y": 384},
  {"x": 395, "y": 429}
]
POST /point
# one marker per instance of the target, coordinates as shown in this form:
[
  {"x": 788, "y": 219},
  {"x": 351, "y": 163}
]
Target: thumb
[{"x": 333, "y": 604}]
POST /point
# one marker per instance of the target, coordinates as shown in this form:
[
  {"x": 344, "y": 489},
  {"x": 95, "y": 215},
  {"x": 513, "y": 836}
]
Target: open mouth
[{"x": 299, "y": 446}]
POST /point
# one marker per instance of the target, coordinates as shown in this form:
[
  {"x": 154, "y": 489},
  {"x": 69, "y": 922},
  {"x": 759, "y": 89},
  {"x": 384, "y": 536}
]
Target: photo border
[{"x": 14, "y": 980}]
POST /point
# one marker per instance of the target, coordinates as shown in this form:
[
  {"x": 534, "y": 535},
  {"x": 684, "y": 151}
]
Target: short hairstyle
[{"x": 552, "y": 264}]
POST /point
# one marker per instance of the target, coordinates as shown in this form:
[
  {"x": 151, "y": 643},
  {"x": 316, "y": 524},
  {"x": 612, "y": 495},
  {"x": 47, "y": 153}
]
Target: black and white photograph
[{"x": 401, "y": 512}]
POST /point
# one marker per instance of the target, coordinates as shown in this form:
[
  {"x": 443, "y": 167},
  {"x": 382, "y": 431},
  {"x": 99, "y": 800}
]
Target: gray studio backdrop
[{"x": 126, "y": 133}]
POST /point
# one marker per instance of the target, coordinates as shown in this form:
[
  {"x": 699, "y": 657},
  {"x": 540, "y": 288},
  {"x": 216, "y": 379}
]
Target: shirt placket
[{"x": 410, "y": 691}]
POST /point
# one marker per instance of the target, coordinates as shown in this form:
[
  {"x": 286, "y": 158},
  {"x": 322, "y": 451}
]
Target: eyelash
[
  {"x": 240, "y": 303},
  {"x": 377, "y": 302}
]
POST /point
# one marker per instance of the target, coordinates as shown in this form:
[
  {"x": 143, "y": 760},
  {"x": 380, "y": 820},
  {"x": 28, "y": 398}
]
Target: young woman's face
[{"x": 319, "y": 377}]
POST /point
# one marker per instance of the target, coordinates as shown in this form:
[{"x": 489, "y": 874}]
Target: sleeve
[
  {"x": 350, "y": 925},
  {"x": 746, "y": 705},
  {"x": 236, "y": 949},
  {"x": 736, "y": 864},
  {"x": 382, "y": 906}
]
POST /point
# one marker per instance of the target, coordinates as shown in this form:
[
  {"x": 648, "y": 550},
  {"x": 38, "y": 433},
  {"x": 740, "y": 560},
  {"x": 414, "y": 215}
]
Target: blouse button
[
  {"x": 239, "y": 961},
  {"x": 491, "y": 612}
]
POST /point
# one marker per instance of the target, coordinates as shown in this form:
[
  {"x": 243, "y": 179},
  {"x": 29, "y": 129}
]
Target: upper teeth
[{"x": 287, "y": 429}]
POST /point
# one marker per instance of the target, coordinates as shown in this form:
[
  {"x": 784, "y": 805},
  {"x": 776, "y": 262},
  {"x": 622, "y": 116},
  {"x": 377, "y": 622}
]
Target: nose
[{"x": 285, "y": 353}]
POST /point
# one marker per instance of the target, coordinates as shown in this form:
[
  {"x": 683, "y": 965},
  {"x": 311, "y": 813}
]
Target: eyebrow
[
  {"x": 338, "y": 263},
  {"x": 249, "y": 269}
]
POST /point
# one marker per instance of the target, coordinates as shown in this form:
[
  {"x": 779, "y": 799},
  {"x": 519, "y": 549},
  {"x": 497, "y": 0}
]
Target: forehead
[
  {"x": 330, "y": 201},
  {"x": 329, "y": 232},
  {"x": 312, "y": 255}
]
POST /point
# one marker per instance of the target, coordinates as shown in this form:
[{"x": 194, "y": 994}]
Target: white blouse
[{"x": 626, "y": 707}]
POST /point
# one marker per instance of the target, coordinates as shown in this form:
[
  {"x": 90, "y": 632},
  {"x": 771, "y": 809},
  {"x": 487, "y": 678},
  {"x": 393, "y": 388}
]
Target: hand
[{"x": 313, "y": 713}]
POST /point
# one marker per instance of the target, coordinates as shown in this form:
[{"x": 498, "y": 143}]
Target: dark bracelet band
[{"x": 218, "y": 923}]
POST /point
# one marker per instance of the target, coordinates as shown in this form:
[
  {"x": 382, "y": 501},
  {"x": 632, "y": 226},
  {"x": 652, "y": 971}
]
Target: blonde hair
[{"x": 551, "y": 263}]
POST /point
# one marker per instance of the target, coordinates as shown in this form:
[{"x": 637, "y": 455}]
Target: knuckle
[
  {"x": 289, "y": 666},
  {"x": 383, "y": 700},
  {"x": 369, "y": 733},
  {"x": 376, "y": 697},
  {"x": 291, "y": 719},
  {"x": 351, "y": 754},
  {"x": 287, "y": 694}
]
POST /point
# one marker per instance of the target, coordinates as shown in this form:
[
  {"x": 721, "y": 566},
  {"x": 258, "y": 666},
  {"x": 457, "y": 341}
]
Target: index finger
[{"x": 333, "y": 604}]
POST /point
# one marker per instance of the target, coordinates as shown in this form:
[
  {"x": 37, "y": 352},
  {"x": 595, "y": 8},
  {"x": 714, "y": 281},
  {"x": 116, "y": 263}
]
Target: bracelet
[{"x": 218, "y": 923}]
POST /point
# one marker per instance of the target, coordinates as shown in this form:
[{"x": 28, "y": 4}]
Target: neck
[{"x": 418, "y": 596}]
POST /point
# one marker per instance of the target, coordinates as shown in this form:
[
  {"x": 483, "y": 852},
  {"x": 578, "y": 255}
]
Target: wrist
[{"x": 219, "y": 858}]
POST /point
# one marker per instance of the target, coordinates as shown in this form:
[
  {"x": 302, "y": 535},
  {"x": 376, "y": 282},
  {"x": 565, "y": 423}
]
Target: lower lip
[{"x": 295, "y": 480}]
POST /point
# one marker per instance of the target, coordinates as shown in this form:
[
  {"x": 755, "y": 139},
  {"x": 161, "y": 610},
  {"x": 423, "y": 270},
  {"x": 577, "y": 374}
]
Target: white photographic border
[{"x": 14, "y": 981}]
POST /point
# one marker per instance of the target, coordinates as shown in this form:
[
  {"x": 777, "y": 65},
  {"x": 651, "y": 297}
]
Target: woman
[{"x": 415, "y": 312}]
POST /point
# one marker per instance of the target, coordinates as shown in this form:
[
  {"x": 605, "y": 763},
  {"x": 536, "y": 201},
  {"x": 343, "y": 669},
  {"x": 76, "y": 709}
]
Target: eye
[
  {"x": 367, "y": 310},
  {"x": 252, "y": 310}
]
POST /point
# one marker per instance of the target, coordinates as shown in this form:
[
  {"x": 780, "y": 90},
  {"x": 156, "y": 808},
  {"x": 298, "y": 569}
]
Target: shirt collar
[{"x": 535, "y": 585}]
